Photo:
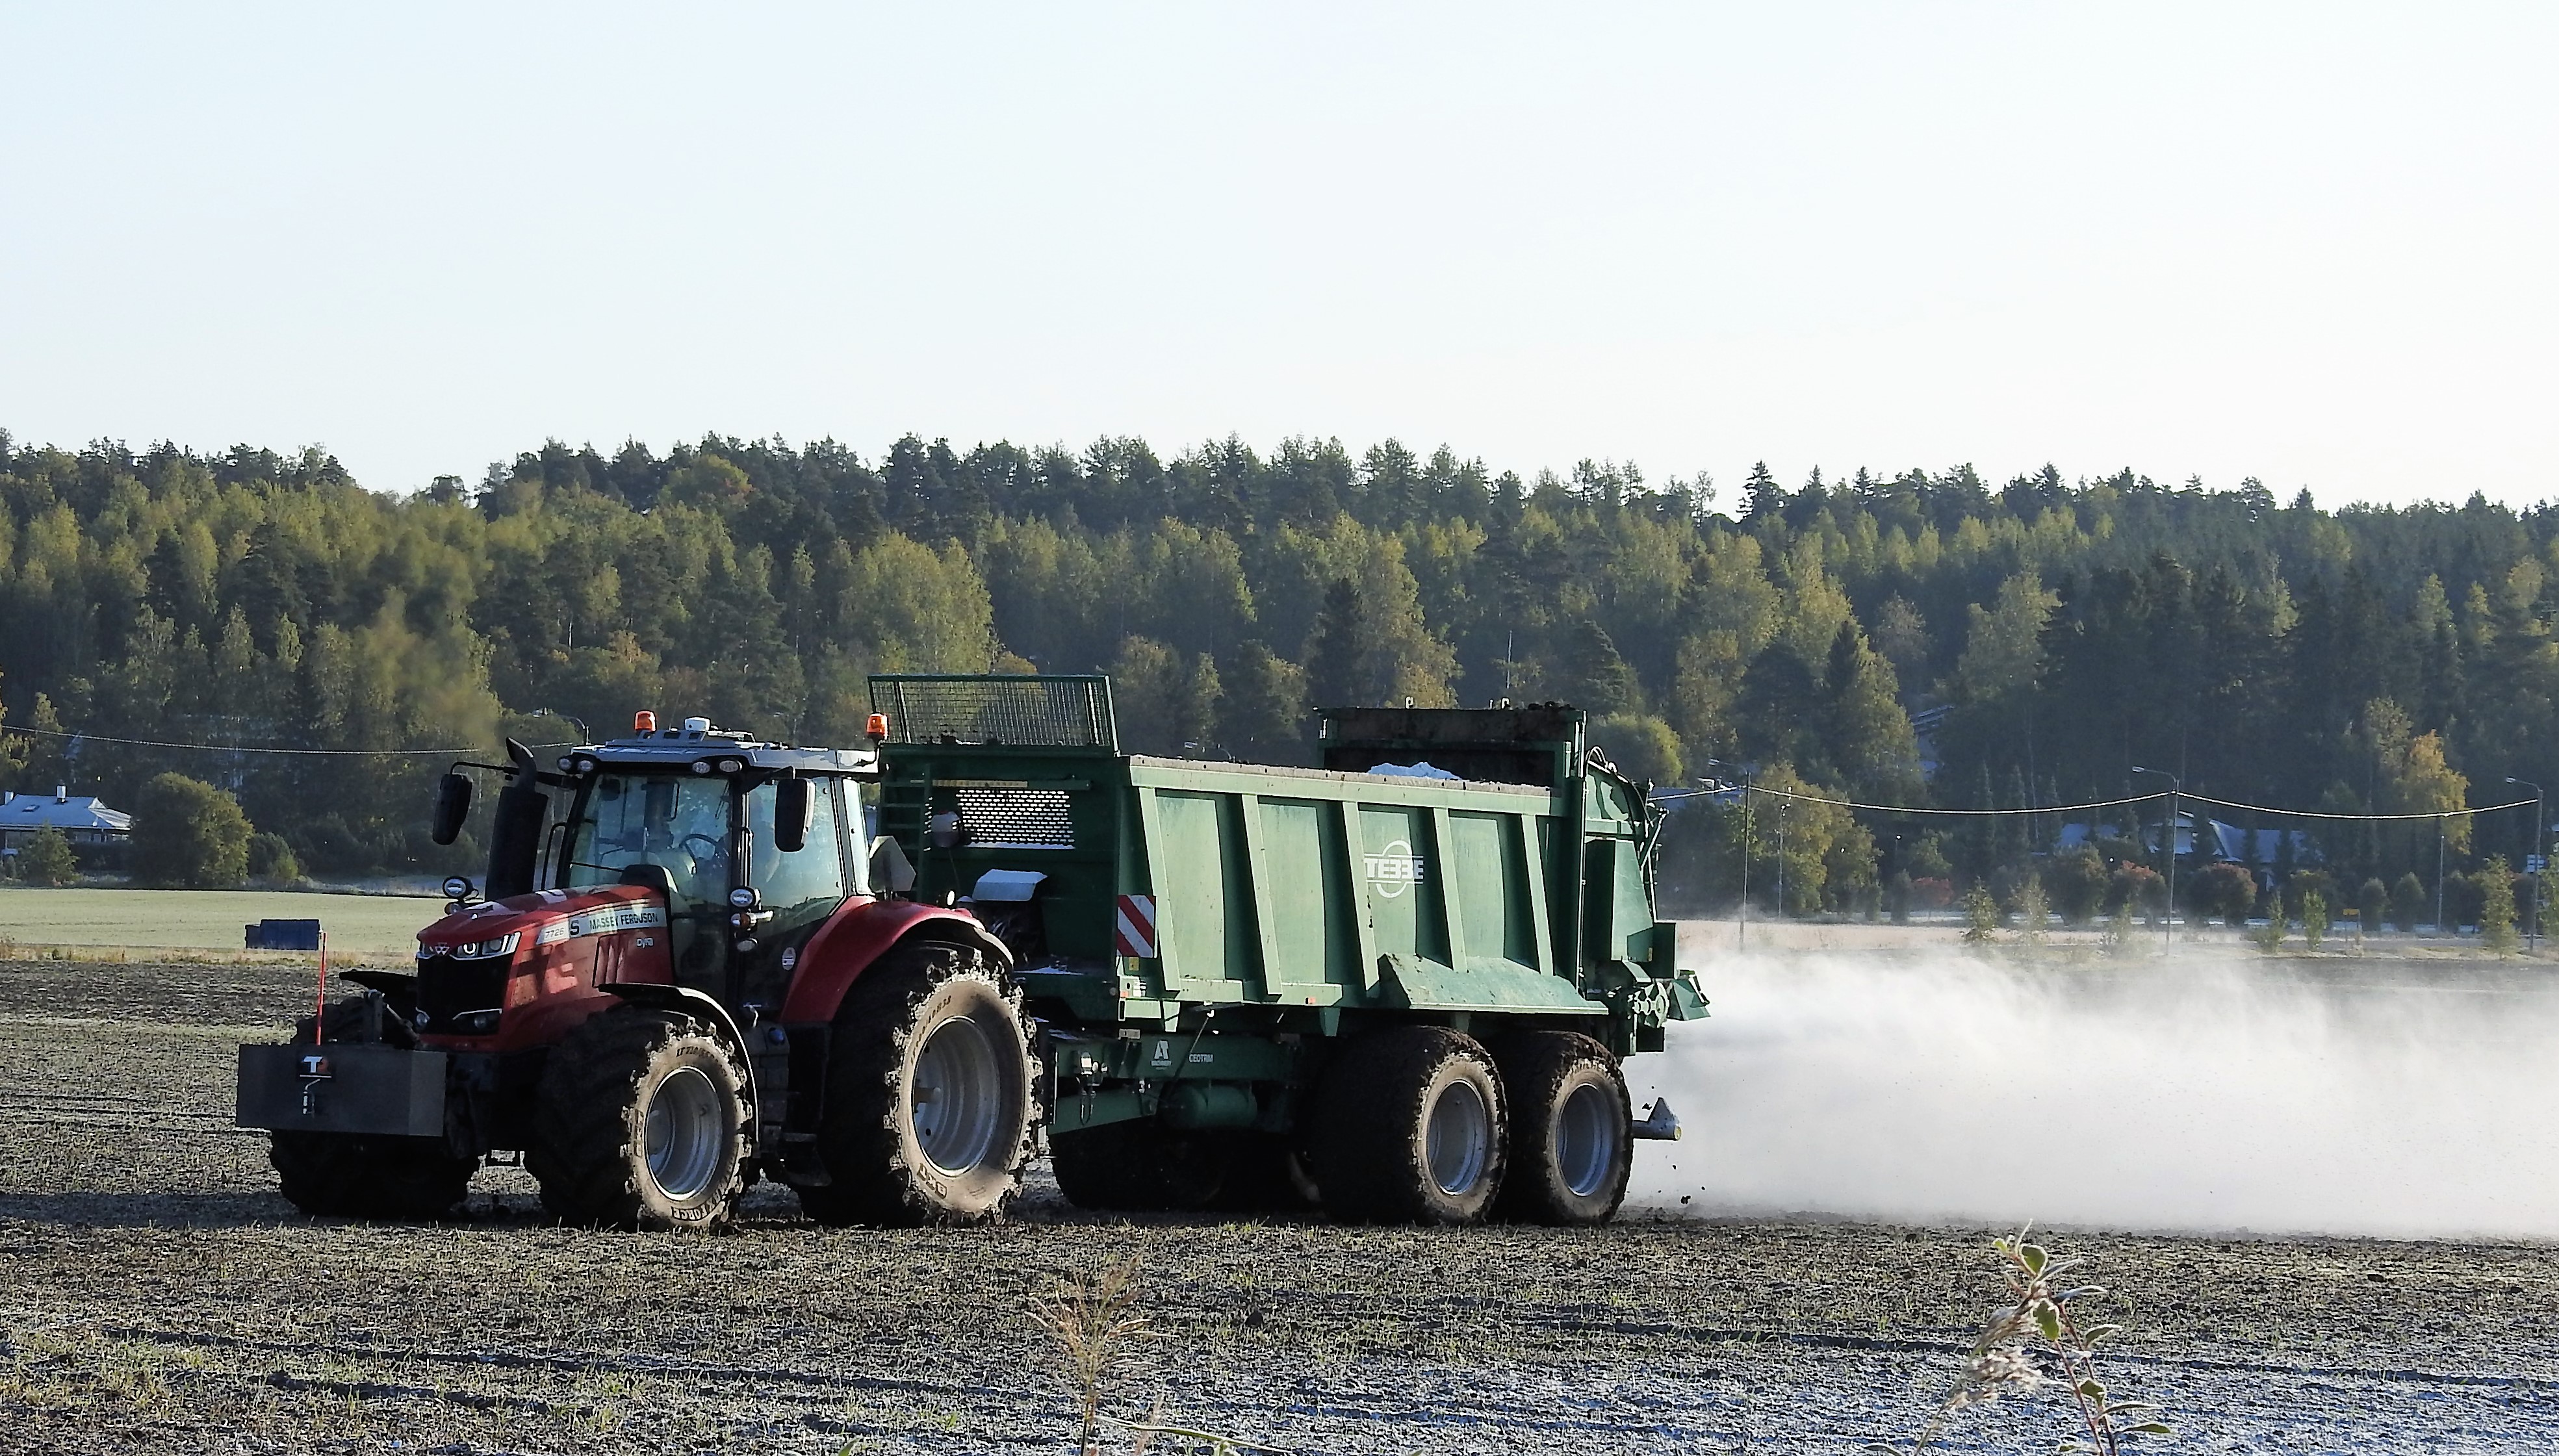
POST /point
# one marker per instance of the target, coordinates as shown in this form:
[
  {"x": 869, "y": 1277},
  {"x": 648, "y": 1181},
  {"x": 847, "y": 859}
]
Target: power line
[
  {"x": 1903, "y": 809},
  {"x": 2313, "y": 814},
  {"x": 2064, "y": 809},
  {"x": 239, "y": 748}
]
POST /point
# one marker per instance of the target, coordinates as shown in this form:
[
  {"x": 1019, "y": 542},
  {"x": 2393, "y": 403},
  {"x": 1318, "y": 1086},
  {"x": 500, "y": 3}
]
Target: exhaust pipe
[{"x": 1661, "y": 1124}]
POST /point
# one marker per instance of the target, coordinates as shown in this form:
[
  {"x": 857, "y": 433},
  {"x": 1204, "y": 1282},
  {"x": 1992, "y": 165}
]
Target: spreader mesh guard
[{"x": 1019, "y": 712}]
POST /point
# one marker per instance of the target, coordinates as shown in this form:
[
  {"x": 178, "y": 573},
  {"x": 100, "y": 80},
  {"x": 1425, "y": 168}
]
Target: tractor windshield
[{"x": 678, "y": 823}]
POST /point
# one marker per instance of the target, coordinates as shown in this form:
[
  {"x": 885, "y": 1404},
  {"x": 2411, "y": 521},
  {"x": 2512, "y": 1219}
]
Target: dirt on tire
[
  {"x": 589, "y": 1149},
  {"x": 1371, "y": 1140},
  {"x": 880, "y": 1169}
]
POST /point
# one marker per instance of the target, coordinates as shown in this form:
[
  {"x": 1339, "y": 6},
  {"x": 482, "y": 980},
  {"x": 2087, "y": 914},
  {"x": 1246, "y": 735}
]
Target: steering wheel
[{"x": 712, "y": 849}]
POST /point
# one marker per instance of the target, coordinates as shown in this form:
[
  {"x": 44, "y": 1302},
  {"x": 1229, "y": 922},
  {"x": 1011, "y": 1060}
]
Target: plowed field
[{"x": 159, "y": 1297}]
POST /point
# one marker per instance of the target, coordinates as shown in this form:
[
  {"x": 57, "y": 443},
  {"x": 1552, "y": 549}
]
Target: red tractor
[{"x": 687, "y": 969}]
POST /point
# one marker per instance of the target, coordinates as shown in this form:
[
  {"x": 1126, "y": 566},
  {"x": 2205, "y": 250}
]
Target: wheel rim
[
  {"x": 683, "y": 1133},
  {"x": 1458, "y": 1140},
  {"x": 956, "y": 1096},
  {"x": 1586, "y": 1139}
]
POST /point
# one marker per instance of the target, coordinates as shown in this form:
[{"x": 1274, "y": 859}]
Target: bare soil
[{"x": 159, "y": 1296}]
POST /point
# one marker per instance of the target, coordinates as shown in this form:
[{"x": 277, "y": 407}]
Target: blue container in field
[{"x": 283, "y": 935}]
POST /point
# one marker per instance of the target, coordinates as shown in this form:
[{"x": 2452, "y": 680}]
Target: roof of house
[{"x": 78, "y": 812}]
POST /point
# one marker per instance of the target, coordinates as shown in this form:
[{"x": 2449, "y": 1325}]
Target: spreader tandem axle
[{"x": 1394, "y": 988}]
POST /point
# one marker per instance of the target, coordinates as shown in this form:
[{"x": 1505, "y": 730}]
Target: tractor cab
[{"x": 750, "y": 845}]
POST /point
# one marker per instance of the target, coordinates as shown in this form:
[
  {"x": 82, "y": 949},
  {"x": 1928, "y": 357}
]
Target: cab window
[
  {"x": 678, "y": 824},
  {"x": 807, "y": 883}
]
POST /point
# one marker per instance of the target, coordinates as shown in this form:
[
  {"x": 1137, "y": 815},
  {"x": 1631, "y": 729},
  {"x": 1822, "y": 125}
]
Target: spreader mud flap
[{"x": 344, "y": 1086}]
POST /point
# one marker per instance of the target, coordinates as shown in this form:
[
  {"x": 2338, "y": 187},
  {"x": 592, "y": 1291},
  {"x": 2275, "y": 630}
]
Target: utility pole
[
  {"x": 1781, "y": 857},
  {"x": 2533, "y": 864},
  {"x": 1741, "y": 926},
  {"x": 2439, "y": 874},
  {"x": 2167, "y": 851}
]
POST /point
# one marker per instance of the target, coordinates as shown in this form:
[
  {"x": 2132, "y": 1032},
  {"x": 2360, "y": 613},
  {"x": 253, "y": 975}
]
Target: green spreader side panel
[
  {"x": 1273, "y": 886},
  {"x": 1315, "y": 944},
  {"x": 1300, "y": 887}
]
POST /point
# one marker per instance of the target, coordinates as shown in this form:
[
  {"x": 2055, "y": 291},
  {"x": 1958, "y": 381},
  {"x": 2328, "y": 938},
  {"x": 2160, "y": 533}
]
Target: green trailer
[{"x": 1398, "y": 985}]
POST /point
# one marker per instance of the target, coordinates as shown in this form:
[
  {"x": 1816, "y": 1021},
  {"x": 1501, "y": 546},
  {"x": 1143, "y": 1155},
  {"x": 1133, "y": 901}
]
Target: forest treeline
[{"x": 2050, "y": 633}]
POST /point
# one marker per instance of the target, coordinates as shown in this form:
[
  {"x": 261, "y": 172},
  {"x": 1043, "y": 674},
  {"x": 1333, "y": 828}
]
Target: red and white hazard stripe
[{"x": 1136, "y": 930}]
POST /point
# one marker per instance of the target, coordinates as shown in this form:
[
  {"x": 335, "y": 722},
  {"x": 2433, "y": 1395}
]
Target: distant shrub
[
  {"x": 2407, "y": 902},
  {"x": 2497, "y": 904},
  {"x": 2225, "y": 890},
  {"x": 1981, "y": 914},
  {"x": 2077, "y": 884},
  {"x": 46, "y": 858},
  {"x": 2137, "y": 887},
  {"x": 188, "y": 833},
  {"x": 1933, "y": 892},
  {"x": 2034, "y": 911},
  {"x": 2462, "y": 901},
  {"x": 2372, "y": 905},
  {"x": 271, "y": 859}
]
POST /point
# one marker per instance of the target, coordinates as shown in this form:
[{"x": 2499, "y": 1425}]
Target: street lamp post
[
  {"x": 2167, "y": 851},
  {"x": 2533, "y": 937}
]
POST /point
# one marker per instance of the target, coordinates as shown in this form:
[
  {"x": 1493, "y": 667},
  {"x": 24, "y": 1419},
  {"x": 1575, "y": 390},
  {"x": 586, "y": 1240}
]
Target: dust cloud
[{"x": 2383, "y": 1098}]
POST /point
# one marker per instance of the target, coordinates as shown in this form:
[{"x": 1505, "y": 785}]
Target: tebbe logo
[{"x": 1392, "y": 868}]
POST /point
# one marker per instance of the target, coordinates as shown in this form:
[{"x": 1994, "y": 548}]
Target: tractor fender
[
  {"x": 659, "y": 997},
  {"x": 860, "y": 935}
]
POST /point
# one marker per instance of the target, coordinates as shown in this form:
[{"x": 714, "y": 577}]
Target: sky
[{"x": 2308, "y": 243}]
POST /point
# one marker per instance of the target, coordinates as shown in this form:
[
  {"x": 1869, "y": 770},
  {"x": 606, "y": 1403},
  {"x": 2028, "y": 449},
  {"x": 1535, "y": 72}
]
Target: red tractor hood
[{"x": 545, "y": 918}]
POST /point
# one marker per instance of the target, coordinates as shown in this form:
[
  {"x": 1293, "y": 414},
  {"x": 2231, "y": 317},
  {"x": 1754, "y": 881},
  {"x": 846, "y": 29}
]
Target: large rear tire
[
  {"x": 1409, "y": 1128},
  {"x": 929, "y": 1103},
  {"x": 640, "y": 1122},
  {"x": 1571, "y": 1150},
  {"x": 334, "y": 1175}
]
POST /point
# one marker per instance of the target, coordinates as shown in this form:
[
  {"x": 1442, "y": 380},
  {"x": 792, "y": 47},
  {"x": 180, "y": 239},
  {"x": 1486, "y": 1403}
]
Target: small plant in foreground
[
  {"x": 2314, "y": 919},
  {"x": 2032, "y": 911},
  {"x": 1093, "y": 1322},
  {"x": 1981, "y": 914},
  {"x": 2118, "y": 939},
  {"x": 2270, "y": 936},
  {"x": 2039, "y": 1319}
]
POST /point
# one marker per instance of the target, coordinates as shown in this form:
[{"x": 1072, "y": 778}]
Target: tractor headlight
[
  {"x": 742, "y": 898},
  {"x": 486, "y": 950},
  {"x": 457, "y": 887},
  {"x": 732, "y": 766}
]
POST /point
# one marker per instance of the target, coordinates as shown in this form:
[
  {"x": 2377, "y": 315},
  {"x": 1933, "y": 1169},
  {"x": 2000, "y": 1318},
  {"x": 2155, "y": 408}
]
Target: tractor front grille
[{"x": 460, "y": 997}]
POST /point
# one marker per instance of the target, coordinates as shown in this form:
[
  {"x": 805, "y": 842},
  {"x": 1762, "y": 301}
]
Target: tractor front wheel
[
  {"x": 640, "y": 1122},
  {"x": 929, "y": 1091}
]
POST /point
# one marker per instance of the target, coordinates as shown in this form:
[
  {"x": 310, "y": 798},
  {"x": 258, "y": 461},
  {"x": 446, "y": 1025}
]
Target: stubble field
[{"x": 158, "y": 1297}]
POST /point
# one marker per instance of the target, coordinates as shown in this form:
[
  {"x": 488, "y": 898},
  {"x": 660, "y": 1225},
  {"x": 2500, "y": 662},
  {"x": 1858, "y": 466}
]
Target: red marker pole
[{"x": 320, "y": 1008}]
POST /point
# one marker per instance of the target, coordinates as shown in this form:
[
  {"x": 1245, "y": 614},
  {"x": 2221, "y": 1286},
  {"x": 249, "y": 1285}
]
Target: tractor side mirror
[
  {"x": 452, "y": 806},
  {"x": 792, "y": 803}
]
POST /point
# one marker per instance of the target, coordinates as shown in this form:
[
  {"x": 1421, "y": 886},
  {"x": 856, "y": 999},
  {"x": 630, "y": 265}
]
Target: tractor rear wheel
[
  {"x": 1571, "y": 1150},
  {"x": 336, "y": 1175},
  {"x": 640, "y": 1122},
  {"x": 930, "y": 1093},
  {"x": 1409, "y": 1128}
]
